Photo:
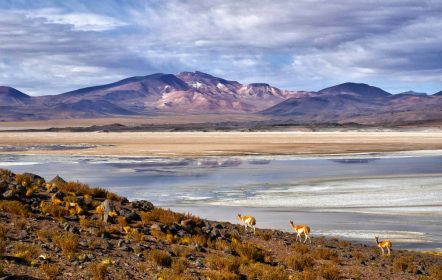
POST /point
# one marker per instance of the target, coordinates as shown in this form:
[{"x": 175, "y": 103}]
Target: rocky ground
[{"x": 67, "y": 230}]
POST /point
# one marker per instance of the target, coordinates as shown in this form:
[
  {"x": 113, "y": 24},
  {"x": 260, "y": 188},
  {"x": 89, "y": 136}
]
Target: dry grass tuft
[
  {"x": 14, "y": 207},
  {"x": 264, "y": 234},
  {"x": 163, "y": 216},
  {"x": 67, "y": 242},
  {"x": 53, "y": 209},
  {"x": 300, "y": 262},
  {"x": 51, "y": 271},
  {"x": 222, "y": 275},
  {"x": 159, "y": 257},
  {"x": 225, "y": 263},
  {"x": 330, "y": 272},
  {"x": 263, "y": 272},
  {"x": 3, "y": 231},
  {"x": 80, "y": 189},
  {"x": 435, "y": 271},
  {"x": 325, "y": 254},
  {"x": 98, "y": 270},
  {"x": 404, "y": 264},
  {"x": 250, "y": 253},
  {"x": 25, "y": 251}
]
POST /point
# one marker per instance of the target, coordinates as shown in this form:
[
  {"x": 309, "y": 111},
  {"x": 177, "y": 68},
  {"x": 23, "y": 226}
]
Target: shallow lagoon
[{"x": 396, "y": 196}]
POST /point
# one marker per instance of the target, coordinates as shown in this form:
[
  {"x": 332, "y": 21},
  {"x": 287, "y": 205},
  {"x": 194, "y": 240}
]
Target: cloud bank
[{"x": 51, "y": 47}]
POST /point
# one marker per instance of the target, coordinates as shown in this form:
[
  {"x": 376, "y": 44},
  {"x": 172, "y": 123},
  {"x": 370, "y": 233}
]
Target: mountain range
[{"x": 201, "y": 93}]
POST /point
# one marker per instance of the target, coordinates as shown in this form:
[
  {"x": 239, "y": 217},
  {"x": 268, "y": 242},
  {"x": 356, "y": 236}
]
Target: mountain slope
[{"x": 10, "y": 96}]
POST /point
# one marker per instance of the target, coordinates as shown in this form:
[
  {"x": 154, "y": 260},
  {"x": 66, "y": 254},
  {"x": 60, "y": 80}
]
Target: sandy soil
[{"x": 226, "y": 143}]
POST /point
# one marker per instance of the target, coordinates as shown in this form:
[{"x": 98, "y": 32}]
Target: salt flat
[{"x": 222, "y": 143}]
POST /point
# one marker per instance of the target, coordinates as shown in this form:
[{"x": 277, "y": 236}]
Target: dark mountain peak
[
  {"x": 439, "y": 93},
  {"x": 259, "y": 85},
  {"x": 359, "y": 89},
  {"x": 12, "y": 92}
]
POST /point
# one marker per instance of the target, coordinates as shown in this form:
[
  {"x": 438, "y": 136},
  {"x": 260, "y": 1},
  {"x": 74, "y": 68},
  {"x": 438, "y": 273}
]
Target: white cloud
[{"x": 79, "y": 21}]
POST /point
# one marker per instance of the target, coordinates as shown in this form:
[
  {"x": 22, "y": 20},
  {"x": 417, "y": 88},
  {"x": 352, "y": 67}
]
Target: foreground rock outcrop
[{"x": 67, "y": 230}]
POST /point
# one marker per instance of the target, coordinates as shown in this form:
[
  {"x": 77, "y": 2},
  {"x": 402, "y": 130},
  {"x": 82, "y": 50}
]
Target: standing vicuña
[
  {"x": 383, "y": 244},
  {"x": 248, "y": 221},
  {"x": 301, "y": 229}
]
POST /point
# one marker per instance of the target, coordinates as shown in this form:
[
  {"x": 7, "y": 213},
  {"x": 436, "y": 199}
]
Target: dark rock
[
  {"x": 143, "y": 205},
  {"x": 20, "y": 190},
  {"x": 33, "y": 177},
  {"x": 133, "y": 217},
  {"x": 188, "y": 225},
  {"x": 126, "y": 248},
  {"x": 73, "y": 218},
  {"x": 174, "y": 228},
  {"x": 105, "y": 235},
  {"x": 53, "y": 190},
  {"x": 57, "y": 195},
  {"x": 219, "y": 226},
  {"x": 124, "y": 212}
]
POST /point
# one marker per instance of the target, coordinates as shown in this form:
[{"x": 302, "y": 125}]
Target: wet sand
[{"x": 220, "y": 143}]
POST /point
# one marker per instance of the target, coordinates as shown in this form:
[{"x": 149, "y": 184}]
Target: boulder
[{"x": 143, "y": 205}]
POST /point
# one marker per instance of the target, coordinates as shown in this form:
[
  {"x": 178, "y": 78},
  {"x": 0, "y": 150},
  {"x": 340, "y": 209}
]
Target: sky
[{"x": 50, "y": 47}]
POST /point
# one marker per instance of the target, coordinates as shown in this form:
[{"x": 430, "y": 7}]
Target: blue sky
[{"x": 49, "y": 47}]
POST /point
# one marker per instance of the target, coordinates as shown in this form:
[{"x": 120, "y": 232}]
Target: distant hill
[
  {"x": 410, "y": 92},
  {"x": 201, "y": 93},
  {"x": 360, "y": 90}
]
